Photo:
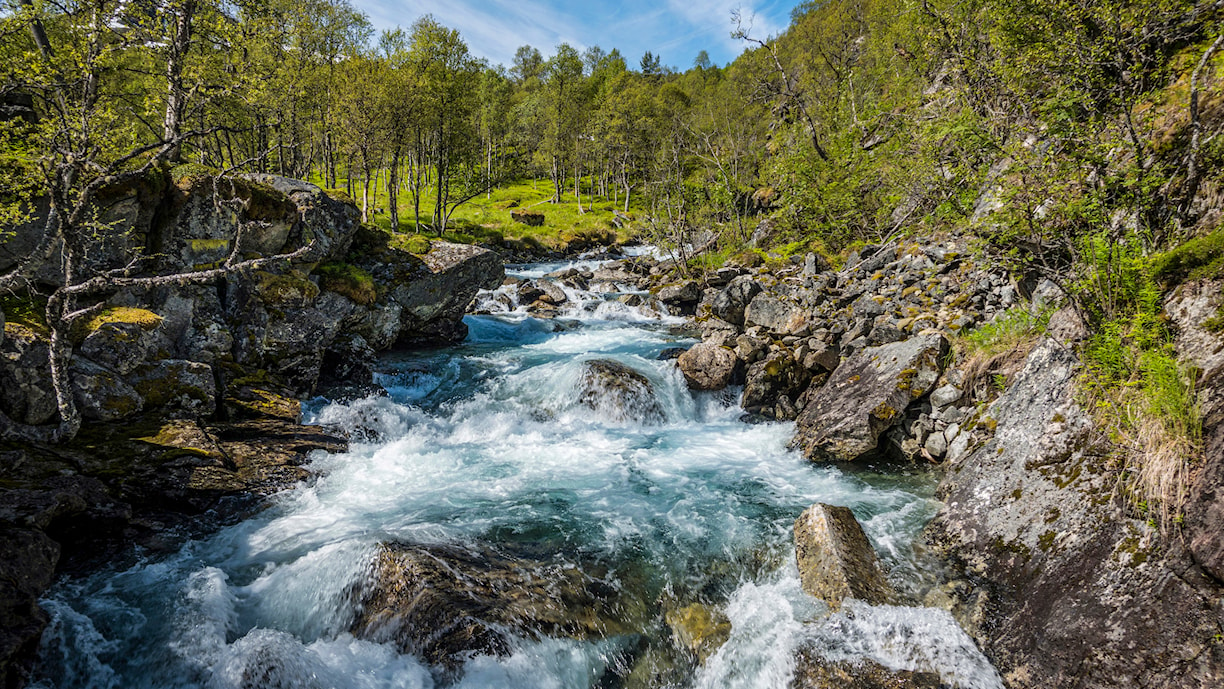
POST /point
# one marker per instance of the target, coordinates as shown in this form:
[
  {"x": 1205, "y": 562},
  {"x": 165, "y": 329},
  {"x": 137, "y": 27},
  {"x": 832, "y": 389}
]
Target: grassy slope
[{"x": 486, "y": 218}]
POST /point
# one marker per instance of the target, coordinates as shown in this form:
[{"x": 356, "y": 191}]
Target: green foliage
[
  {"x": 1197, "y": 258},
  {"x": 1008, "y": 331}
]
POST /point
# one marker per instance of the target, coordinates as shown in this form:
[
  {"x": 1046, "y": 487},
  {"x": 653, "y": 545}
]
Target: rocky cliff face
[
  {"x": 174, "y": 349},
  {"x": 1077, "y": 592}
]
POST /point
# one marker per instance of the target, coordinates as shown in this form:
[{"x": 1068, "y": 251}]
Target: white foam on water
[{"x": 492, "y": 441}]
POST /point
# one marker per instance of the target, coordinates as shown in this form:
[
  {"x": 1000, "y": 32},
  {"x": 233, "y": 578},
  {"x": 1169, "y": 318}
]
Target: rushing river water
[{"x": 488, "y": 444}]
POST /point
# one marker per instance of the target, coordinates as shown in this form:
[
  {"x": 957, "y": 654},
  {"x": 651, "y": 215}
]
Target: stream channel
[{"x": 488, "y": 445}]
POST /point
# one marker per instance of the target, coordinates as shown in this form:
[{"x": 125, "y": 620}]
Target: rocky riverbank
[
  {"x": 1051, "y": 571},
  {"x": 190, "y": 392}
]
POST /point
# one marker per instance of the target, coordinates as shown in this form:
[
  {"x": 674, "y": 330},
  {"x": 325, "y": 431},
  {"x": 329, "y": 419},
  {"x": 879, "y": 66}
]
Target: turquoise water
[{"x": 487, "y": 444}]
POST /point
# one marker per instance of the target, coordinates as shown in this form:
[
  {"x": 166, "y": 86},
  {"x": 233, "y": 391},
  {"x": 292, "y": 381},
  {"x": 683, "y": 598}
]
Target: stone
[
  {"x": 814, "y": 672},
  {"x": 552, "y": 293},
  {"x": 958, "y": 447},
  {"x": 936, "y": 445},
  {"x": 836, "y": 561},
  {"x": 443, "y": 603},
  {"x": 775, "y": 380},
  {"x": 708, "y": 366},
  {"x": 618, "y": 392},
  {"x": 101, "y": 394},
  {"x": 120, "y": 346},
  {"x": 944, "y": 396},
  {"x": 28, "y": 558},
  {"x": 1087, "y": 594},
  {"x": 730, "y": 303},
  {"x": 683, "y": 292},
  {"x": 176, "y": 388},
  {"x": 821, "y": 357},
  {"x": 775, "y": 315},
  {"x": 699, "y": 628},
  {"x": 26, "y": 394},
  {"x": 868, "y": 394}
]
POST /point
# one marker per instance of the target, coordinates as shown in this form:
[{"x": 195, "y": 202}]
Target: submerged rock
[
  {"x": 699, "y": 628},
  {"x": 836, "y": 561},
  {"x": 815, "y": 672},
  {"x": 443, "y": 602},
  {"x": 867, "y": 395},
  {"x": 619, "y": 392}
]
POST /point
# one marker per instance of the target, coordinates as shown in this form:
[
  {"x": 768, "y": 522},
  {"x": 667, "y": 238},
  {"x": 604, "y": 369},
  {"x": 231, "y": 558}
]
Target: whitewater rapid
[{"x": 488, "y": 443}]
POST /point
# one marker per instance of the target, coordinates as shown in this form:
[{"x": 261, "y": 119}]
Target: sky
[{"x": 675, "y": 30}]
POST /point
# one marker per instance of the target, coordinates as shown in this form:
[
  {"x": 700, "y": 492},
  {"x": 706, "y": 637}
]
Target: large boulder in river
[
  {"x": 707, "y": 366},
  {"x": 618, "y": 392},
  {"x": 443, "y": 602},
  {"x": 867, "y": 395},
  {"x": 836, "y": 561},
  {"x": 433, "y": 290}
]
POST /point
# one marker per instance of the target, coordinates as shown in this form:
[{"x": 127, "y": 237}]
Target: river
[{"x": 488, "y": 444}]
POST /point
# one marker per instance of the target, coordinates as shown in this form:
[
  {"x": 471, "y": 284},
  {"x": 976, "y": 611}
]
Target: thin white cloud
[{"x": 676, "y": 30}]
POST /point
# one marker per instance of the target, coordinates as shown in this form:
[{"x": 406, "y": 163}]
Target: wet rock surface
[
  {"x": 836, "y": 561},
  {"x": 618, "y": 392},
  {"x": 443, "y": 602},
  {"x": 814, "y": 672}
]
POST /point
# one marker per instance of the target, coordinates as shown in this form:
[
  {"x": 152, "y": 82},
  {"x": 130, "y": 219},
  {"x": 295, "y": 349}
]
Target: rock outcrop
[
  {"x": 1078, "y": 592},
  {"x": 836, "y": 561},
  {"x": 867, "y": 395}
]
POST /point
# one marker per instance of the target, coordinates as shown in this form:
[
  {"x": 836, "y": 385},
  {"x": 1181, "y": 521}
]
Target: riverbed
[{"x": 491, "y": 444}]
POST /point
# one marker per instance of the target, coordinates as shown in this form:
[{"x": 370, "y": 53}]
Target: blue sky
[{"x": 676, "y": 30}]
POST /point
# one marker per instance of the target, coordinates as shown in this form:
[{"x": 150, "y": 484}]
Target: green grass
[
  {"x": 486, "y": 218},
  {"x": 1007, "y": 331}
]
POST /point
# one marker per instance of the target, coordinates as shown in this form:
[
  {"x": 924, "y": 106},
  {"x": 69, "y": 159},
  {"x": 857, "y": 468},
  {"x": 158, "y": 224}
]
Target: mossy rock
[
  {"x": 289, "y": 287},
  {"x": 144, "y": 318},
  {"x": 414, "y": 244},
  {"x": 527, "y": 217},
  {"x": 188, "y": 173},
  {"x": 1202, "y": 257},
  {"x": 349, "y": 281}
]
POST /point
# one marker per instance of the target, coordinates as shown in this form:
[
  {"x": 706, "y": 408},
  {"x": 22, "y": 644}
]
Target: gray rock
[
  {"x": 177, "y": 388},
  {"x": 618, "y": 392},
  {"x": 775, "y": 380},
  {"x": 944, "y": 395},
  {"x": 707, "y": 366},
  {"x": 776, "y": 315},
  {"x": 868, "y": 394},
  {"x": 444, "y": 603},
  {"x": 821, "y": 357},
  {"x": 729, "y": 305},
  {"x": 936, "y": 445},
  {"x": 101, "y": 394},
  {"x": 26, "y": 394},
  {"x": 684, "y": 292},
  {"x": 958, "y": 447},
  {"x": 812, "y": 671},
  {"x": 1082, "y": 585},
  {"x": 836, "y": 561}
]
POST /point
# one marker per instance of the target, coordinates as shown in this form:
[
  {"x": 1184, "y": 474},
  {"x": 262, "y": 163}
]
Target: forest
[{"x": 1076, "y": 141}]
